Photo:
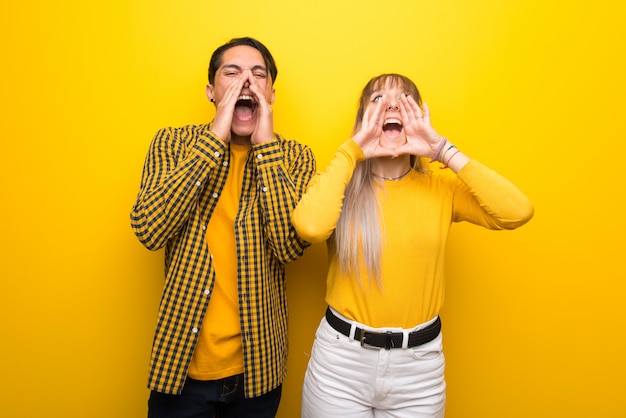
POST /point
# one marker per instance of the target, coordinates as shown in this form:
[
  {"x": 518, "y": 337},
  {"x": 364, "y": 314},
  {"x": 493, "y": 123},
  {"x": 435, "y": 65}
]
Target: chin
[
  {"x": 393, "y": 143},
  {"x": 242, "y": 131}
]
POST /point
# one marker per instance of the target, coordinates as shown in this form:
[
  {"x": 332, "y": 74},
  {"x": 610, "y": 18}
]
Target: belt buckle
[
  {"x": 388, "y": 340},
  {"x": 363, "y": 343}
]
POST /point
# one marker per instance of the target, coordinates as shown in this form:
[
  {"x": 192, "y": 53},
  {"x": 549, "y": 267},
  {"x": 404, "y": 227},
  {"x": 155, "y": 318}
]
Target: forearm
[
  {"x": 504, "y": 203},
  {"x": 170, "y": 186},
  {"x": 501, "y": 204}
]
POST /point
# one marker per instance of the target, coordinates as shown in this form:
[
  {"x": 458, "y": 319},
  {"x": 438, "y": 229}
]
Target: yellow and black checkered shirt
[{"x": 183, "y": 176}]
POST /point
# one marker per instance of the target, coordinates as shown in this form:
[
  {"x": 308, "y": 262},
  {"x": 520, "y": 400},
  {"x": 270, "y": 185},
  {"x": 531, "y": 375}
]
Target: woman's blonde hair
[{"x": 359, "y": 235}]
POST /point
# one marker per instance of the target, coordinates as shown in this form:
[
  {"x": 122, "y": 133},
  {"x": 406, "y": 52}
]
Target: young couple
[{"x": 232, "y": 202}]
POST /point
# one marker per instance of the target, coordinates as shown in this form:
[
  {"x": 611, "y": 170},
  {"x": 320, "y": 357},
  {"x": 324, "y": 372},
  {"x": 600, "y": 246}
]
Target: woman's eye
[{"x": 376, "y": 99}]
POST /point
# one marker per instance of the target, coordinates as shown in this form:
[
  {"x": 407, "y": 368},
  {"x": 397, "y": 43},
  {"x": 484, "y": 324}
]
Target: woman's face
[{"x": 393, "y": 132}]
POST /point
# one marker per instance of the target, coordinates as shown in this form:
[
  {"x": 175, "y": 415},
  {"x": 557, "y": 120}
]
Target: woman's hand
[
  {"x": 370, "y": 131},
  {"x": 421, "y": 138}
]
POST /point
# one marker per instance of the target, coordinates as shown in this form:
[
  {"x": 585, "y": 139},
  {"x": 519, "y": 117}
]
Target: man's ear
[
  {"x": 273, "y": 96},
  {"x": 209, "y": 93}
]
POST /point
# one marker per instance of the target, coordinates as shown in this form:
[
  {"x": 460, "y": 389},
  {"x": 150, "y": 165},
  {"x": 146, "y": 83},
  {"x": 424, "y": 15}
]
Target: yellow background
[{"x": 534, "y": 319}]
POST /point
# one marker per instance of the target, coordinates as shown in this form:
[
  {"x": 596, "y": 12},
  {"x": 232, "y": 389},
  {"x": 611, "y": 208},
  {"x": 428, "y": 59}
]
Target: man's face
[{"x": 234, "y": 62}]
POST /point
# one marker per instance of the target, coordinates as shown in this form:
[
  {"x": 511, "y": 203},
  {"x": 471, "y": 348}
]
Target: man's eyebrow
[{"x": 237, "y": 67}]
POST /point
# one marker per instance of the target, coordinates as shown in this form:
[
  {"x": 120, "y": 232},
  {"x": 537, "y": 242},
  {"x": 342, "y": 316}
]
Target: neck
[
  {"x": 240, "y": 140},
  {"x": 401, "y": 176},
  {"x": 391, "y": 168}
]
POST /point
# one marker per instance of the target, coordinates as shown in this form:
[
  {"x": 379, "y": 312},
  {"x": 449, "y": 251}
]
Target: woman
[{"x": 378, "y": 350}]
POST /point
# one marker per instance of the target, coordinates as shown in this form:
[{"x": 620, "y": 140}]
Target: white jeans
[{"x": 346, "y": 380}]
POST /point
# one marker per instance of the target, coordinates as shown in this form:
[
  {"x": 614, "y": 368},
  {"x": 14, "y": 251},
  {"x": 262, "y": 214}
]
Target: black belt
[{"x": 386, "y": 340}]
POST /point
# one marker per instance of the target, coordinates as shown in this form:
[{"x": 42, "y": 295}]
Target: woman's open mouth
[{"x": 392, "y": 128}]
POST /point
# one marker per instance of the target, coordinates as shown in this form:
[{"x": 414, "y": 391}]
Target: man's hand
[
  {"x": 264, "y": 130},
  {"x": 224, "y": 110}
]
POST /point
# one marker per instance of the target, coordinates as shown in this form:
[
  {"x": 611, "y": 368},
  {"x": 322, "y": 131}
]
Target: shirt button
[
  {"x": 264, "y": 189},
  {"x": 215, "y": 195},
  {"x": 204, "y": 227},
  {"x": 225, "y": 163},
  {"x": 207, "y": 292},
  {"x": 217, "y": 154},
  {"x": 259, "y": 156},
  {"x": 198, "y": 183},
  {"x": 194, "y": 330}
]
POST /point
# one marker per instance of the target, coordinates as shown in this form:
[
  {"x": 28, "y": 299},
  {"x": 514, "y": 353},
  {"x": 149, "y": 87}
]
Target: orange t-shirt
[{"x": 219, "y": 352}]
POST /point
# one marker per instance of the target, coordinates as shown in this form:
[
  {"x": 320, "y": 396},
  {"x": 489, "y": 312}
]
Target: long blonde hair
[{"x": 358, "y": 237}]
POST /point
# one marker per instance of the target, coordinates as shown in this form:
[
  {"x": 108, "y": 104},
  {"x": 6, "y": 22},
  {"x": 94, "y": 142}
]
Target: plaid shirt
[{"x": 183, "y": 176}]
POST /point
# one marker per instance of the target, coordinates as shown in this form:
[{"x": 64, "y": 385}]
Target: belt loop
[
  {"x": 405, "y": 339},
  {"x": 352, "y": 331}
]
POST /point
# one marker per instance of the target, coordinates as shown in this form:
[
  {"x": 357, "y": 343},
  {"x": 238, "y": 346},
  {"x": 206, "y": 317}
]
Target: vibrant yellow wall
[{"x": 534, "y": 319}]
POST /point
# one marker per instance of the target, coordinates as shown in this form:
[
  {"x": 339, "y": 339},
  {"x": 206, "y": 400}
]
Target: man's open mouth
[{"x": 245, "y": 107}]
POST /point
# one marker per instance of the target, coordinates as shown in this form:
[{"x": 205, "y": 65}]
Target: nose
[{"x": 393, "y": 107}]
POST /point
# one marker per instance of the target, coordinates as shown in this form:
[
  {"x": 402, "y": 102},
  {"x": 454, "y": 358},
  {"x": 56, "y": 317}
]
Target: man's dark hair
[{"x": 216, "y": 58}]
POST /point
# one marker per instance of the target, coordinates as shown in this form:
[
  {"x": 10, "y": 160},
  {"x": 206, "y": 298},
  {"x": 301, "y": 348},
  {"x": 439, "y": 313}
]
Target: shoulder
[
  {"x": 292, "y": 147},
  {"x": 289, "y": 143},
  {"x": 188, "y": 132},
  {"x": 185, "y": 135},
  {"x": 436, "y": 180}
]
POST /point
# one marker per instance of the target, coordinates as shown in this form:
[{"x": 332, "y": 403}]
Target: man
[{"x": 219, "y": 198}]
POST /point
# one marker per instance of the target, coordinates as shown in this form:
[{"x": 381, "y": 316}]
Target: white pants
[{"x": 346, "y": 380}]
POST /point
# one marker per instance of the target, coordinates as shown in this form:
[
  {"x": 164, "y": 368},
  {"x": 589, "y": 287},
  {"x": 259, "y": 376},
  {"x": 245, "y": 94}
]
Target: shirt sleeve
[
  {"x": 317, "y": 213},
  {"x": 284, "y": 169},
  {"x": 486, "y": 198},
  {"x": 171, "y": 183}
]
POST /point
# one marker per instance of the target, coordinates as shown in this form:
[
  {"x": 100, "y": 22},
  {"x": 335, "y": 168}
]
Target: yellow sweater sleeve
[
  {"x": 317, "y": 213},
  {"x": 501, "y": 205}
]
